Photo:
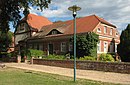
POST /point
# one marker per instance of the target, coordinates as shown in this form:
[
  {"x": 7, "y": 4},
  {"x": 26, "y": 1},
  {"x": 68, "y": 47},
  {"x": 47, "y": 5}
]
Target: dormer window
[
  {"x": 98, "y": 30},
  {"x": 33, "y": 33},
  {"x": 54, "y": 32},
  {"x": 105, "y": 29}
]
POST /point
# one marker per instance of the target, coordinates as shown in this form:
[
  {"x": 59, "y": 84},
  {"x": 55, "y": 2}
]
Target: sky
[{"x": 116, "y": 12}]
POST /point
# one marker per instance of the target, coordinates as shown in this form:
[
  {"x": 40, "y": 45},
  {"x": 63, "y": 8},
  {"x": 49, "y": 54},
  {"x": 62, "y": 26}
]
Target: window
[
  {"x": 111, "y": 46},
  {"x": 116, "y": 47},
  {"x": 105, "y": 46},
  {"x": 116, "y": 34},
  {"x": 30, "y": 46},
  {"x": 98, "y": 30},
  {"x": 22, "y": 26},
  {"x": 35, "y": 46},
  {"x": 105, "y": 29},
  {"x": 99, "y": 46},
  {"x": 54, "y": 32},
  {"x": 70, "y": 47},
  {"x": 33, "y": 33},
  {"x": 63, "y": 47},
  {"x": 40, "y": 46},
  {"x": 111, "y": 31}
]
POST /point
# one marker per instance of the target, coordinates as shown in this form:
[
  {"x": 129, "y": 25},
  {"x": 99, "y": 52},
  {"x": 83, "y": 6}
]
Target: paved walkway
[{"x": 86, "y": 74}]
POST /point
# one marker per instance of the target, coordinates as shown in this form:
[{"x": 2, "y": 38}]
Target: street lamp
[{"x": 74, "y": 9}]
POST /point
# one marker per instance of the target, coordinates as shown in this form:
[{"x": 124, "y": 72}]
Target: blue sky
[{"x": 116, "y": 12}]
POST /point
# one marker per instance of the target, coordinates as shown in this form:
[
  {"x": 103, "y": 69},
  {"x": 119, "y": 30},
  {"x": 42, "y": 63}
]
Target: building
[
  {"x": 27, "y": 27},
  {"x": 56, "y": 37}
]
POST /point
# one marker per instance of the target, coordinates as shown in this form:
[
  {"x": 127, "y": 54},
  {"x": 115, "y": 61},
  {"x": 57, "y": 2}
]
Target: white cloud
[{"x": 115, "y": 11}]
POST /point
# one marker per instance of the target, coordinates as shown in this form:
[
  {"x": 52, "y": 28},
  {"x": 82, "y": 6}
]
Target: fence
[{"x": 87, "y": 65}]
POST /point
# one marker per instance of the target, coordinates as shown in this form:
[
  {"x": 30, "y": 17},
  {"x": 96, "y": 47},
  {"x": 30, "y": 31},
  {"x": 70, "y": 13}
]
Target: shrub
[
  {"x": 87, "y": 58},
  {"x": 35, "y": 53},
  {"x": 55, "y": 57},
  {"x": 106, "y": 57}
]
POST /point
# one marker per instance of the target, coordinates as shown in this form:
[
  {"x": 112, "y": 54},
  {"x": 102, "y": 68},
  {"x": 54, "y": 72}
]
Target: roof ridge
[
  {"x": 104, "y": 21},
  {"x": 97, "y": 18}
]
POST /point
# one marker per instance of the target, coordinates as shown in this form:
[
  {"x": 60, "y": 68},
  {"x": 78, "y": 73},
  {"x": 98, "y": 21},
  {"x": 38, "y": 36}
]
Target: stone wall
[{"x": 87, "y": 65}]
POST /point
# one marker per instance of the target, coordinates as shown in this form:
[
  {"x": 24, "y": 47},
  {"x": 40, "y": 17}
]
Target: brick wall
[{"x": 87, "y": 65}]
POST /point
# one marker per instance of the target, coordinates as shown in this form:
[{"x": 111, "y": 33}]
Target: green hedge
[
  {"x": 54, "y": 57},
  {"x": 35, "y": 53},
  {"x": 106, "y": 57},
  {"x": 87, "y": 58}
]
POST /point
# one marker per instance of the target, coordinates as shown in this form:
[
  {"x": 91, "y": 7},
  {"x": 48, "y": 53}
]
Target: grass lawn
[{"x": 12, "y": 76}]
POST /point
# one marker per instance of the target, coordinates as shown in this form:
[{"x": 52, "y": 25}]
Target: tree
[
  {"x": 123, "y": 48},
  {"x": 87, "y": 44},
  {"x": 10, "y": 12},
  {"x": 7, "y": 39}
]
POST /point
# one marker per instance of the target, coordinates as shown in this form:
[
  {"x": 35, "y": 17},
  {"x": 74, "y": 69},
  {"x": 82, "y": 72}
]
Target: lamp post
[{"x": 74, "y": 9}]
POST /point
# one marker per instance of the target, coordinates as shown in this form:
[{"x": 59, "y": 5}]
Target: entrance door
[{"x": 50, "y": 47}]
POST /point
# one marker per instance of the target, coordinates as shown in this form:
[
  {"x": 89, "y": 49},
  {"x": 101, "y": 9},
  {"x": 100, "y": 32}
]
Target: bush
[
  {"x": 106, "y": 57},
  {"x": 35, "y": 53},
  {"x": 55, "y": 57},
  {"x": 87, "y": 58}
]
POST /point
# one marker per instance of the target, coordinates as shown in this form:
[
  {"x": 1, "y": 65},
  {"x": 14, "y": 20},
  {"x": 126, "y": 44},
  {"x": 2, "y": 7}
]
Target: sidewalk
[{"x": 86, "y": 74}]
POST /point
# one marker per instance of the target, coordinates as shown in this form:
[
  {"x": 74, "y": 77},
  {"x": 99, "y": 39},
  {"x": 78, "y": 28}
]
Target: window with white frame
[
  {"x": 54, "y": 32},
  {"x": 105, "y": 29},
  {"x": 111, "y": 31},
  {"x": 63, "y": 47},
  {"x": 70, "y": 46},
  {"x": 98, "y": 30},
  {"x": 105, "y": 46},
  {"x": 116, "y": 33},
  {"x": 99, "y": 46},
  {"x": 115, "y": 47}
]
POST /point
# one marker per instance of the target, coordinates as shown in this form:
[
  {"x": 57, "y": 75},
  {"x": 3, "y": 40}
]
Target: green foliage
[
  {"x": 123, "y": 48},
  {"x": 106, "y": 57},
  {"x": 35, "y": 53},
  {"x": 10, "y": 11},
  {"x": 87, "y": 44},
  {"x": 87, "y": 58},
  {"x": 55, "y": 57},
  {"x": 6, "y": 40}
]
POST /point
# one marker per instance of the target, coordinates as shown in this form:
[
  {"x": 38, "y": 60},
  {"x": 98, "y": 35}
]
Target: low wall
[{"x": 87, "y": 65}]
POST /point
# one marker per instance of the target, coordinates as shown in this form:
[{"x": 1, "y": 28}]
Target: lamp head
[{"x": 74, "y": 9}]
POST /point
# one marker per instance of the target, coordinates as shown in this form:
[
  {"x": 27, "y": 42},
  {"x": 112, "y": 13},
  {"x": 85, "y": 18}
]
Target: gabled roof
[
  {"x": 36, "y": 21},
  {"x": 84, "y": 24}
]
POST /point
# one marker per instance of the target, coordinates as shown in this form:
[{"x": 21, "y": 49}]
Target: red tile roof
[
  {"x": 84, "y": 24},
  {"x": 36, "y": 21}
]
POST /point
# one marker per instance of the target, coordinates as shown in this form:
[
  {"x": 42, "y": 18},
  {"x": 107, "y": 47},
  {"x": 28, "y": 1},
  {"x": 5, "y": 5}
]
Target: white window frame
[
  {"x": 105, "y": 29},
  {"x": 111, "y": 31},
  {"x": 98, "y": 29},
  {"x": 99, "y": 46},
  {"x": 105, "y": 47},
  {"x": 116, "y": 47},
  {"x": 54, "y": 32},
  {"x": 63, "y": 46},
  {"x": 116, "y": 33}
]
